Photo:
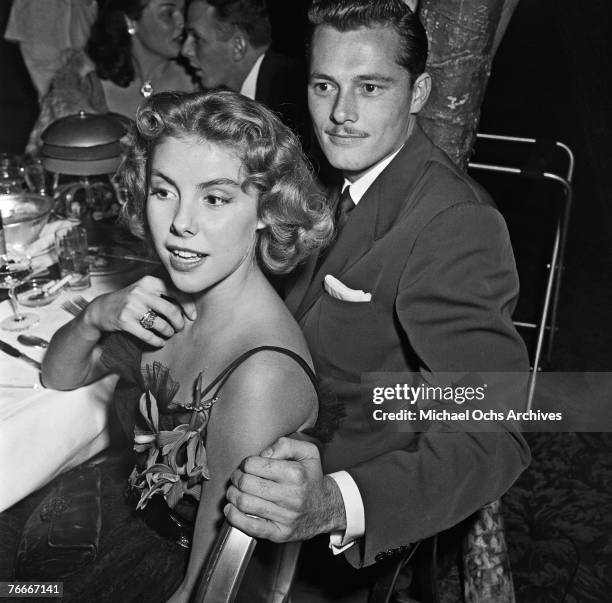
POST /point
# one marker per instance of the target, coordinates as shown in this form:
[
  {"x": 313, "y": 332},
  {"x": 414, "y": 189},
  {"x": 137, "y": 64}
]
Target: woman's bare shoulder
[
  {"x": 273, "y": 324},
  {"x": 274, "y": 386},
  {"x": 270, "y": 384}
]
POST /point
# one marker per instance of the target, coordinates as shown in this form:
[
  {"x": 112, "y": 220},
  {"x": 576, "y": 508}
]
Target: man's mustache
[{"x": 346, "y": 132}]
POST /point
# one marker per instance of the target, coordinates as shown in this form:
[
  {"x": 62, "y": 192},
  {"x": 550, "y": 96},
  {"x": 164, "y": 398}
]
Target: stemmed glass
[
  {"x": 11, "y": 174},
  {"x": 14, "y": 270}
]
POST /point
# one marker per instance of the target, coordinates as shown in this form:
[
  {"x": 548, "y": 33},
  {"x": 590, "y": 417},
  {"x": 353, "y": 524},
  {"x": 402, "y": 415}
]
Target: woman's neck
[
  {"x": 150, "y": 68},
  {"x": 219, "y": 306}
]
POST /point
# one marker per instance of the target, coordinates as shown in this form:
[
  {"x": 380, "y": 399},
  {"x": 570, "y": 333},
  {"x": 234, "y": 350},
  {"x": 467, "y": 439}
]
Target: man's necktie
[{"x": 345, "y": 205}]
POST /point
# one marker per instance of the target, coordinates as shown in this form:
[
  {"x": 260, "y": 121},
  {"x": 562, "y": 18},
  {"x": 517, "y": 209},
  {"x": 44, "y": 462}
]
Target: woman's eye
[
  {"x": 322, "y": 87},
  {"x": 216, "y": 201},
  {"x": 159, "y": 193}
]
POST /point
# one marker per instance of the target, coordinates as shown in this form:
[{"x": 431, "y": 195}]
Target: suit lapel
[
  {"x": 297, "y": 287},
  {"x": 373, "y": 217},
  {"x": 264, "y": 78},
  {"x": 297, "y": 290}
]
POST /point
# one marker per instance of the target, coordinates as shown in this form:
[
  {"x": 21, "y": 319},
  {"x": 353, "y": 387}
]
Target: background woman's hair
[
  {"x": 110, "y": 45},
  {"x": 296, "y": 215}
]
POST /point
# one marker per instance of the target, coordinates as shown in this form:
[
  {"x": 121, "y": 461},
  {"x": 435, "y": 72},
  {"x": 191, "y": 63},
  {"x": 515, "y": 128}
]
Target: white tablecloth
[{"x": 45, "y": 432}]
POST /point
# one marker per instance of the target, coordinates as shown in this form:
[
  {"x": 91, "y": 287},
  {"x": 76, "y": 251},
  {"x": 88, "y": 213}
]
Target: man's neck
[
  {"x": 246, "y": 65},
  {"x": 354, "y": 177}
]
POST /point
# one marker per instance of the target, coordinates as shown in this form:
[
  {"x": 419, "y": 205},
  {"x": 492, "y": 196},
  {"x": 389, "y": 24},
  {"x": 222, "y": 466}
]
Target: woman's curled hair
[
  {"x": 296, "y": 215},
  {"x": 110, "y": 45}
]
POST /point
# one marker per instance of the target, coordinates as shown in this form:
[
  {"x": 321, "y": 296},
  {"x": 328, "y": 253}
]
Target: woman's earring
[{"x": 131, "y": 27}]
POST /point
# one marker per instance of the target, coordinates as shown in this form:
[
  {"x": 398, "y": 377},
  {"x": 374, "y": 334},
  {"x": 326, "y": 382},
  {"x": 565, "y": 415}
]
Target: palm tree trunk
[{"x": 463, "y": 38}]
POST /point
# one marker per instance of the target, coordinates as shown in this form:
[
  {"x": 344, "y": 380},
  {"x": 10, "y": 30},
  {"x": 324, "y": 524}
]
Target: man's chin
[{"x": 348, "y": 163}]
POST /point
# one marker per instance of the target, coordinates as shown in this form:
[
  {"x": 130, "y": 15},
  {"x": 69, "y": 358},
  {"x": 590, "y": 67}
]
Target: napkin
[{"x": 46, "y": 238}]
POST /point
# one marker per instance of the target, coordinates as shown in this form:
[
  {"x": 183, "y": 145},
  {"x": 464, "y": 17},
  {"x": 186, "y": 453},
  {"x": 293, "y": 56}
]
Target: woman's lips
[{"x": 184, "y": 260}]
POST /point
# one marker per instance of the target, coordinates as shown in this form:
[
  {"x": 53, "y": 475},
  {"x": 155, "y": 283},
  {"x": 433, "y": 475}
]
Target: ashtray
[{"x": 31, "y": 293}]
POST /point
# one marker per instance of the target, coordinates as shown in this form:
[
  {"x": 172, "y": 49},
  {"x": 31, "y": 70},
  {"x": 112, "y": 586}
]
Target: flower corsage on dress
[{"x": 176, "y": 460}]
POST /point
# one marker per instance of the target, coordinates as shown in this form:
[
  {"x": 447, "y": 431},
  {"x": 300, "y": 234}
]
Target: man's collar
[
  {"x": 363, "y": 183},
  {"x": 360, "y": 186},
  {"x": 249, "y": 85}
]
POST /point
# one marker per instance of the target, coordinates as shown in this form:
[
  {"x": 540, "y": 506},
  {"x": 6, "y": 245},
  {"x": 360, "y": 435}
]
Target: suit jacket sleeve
[{"x": 454, "y": 302}]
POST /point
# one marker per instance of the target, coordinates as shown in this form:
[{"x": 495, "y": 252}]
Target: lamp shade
[{"x": 84, "y": 144}]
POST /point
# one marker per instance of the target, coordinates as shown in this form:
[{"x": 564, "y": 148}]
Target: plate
[
  {"x": 28, "y": 294},
  {"x": 100, "y": 265}
]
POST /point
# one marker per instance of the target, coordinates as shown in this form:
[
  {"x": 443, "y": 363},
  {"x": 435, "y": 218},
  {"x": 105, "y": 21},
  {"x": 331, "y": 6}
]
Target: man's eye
[
  {"x": 216, "y": 201},
  {"x": 371, "y": 88}
]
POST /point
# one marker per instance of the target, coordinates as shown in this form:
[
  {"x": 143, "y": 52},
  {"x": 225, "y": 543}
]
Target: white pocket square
[{"x": 339, "y": 290}]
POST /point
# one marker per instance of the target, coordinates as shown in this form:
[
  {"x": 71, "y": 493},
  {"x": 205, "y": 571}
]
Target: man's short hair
[
  {"x": 251, "y": 16},
  {"x": 348, "y": 15}
]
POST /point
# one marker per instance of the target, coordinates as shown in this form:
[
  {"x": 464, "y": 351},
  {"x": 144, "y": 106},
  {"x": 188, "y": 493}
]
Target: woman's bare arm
[
  {"x": 73, "y": 357},
  {"x": 268, "y": 396}
]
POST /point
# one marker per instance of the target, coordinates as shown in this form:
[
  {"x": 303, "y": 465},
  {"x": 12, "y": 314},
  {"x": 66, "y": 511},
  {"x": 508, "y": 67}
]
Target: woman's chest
[
  {"x": 182, "y": 364},
  {"x": 120, "y": 100}
]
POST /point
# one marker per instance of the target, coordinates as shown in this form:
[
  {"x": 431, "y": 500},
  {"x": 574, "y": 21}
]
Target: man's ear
[
  {"x": 420, "y": 92},
  {"x": 239, "y": 45}
]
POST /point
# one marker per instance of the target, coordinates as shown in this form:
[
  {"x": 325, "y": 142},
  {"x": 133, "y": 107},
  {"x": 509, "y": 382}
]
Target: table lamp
[{"x": 85, "y": 146}]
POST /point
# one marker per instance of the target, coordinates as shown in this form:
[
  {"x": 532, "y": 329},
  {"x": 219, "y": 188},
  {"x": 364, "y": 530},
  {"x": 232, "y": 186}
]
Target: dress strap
[{"x": 219, "y": 381}]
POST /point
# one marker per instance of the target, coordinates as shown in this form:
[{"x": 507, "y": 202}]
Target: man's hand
[{"x": 283, "y": 496}]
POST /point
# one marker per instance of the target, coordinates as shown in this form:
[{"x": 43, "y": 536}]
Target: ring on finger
[{"x": 147, "y": 320}]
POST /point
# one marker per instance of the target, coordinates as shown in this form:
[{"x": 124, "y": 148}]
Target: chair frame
[
  {"x": 221, "y": 576},
  {"x": 547, "y": 322}
]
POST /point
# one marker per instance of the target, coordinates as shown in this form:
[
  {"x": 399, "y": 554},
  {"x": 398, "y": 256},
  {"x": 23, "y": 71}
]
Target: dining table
[{"x": 44, "y": 432}]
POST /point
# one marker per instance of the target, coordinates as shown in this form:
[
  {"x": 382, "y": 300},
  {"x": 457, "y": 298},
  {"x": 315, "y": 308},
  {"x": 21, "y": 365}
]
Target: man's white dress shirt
[{"x": 249, "y": 86}]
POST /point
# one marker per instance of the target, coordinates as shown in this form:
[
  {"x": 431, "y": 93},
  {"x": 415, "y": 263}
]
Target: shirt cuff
[{"x": 355, "y": 514}]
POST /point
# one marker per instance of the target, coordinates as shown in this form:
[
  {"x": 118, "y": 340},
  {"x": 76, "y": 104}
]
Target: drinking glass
[
  {"x": 35, "y": 177},
  {"x": 11, "y": 174},
  {"x": 72, "y": 256},
  {"x": 14, "y": 270}
]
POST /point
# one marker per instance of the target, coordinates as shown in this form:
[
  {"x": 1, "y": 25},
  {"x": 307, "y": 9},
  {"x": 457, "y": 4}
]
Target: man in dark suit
[
  {"x": 420, "y": 281},
  {"x": 228, "y": 44}
]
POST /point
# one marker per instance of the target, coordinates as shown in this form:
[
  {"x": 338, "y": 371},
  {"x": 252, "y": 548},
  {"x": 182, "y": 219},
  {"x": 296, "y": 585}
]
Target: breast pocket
[{"x": 346, "y": 337}]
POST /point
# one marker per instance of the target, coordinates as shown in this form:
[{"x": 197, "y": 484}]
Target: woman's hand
[{"x": 123, "y": 310}]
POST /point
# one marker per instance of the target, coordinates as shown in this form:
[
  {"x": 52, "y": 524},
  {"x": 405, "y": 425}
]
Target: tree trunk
[{"x": 463, "y": 37}]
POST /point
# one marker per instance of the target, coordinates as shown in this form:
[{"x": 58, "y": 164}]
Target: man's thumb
[{"x": 289, "y": 449}]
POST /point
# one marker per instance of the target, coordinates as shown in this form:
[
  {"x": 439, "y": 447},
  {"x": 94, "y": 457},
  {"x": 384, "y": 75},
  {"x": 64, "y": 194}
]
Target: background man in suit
[
  {"x": 420, "y": 280},
  {"x": 228, "y": 44}
]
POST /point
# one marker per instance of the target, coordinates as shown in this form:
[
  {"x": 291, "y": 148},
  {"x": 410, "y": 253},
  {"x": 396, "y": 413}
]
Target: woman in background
[
  {"x": 213, "y": 366},
  {"x": 133, "y": 51}
]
